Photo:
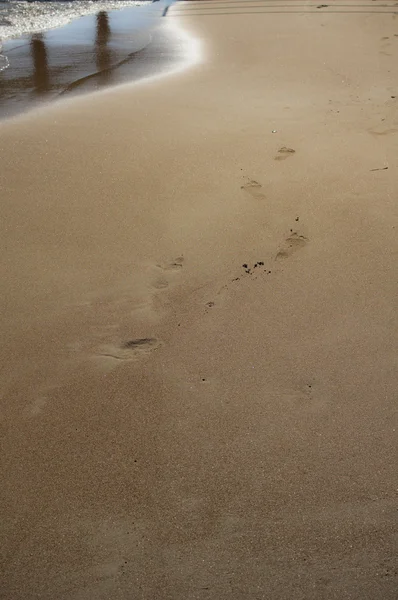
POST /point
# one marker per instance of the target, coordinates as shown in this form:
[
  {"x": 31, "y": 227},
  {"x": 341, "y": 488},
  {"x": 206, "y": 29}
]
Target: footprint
[
  {"x": 174, "y": 265},
  {"x": 284, "y": 153},
  {"x": 161, "y": 284},
  {"x": 384, "y": 132},
  {"x": 294, "y": 242},
  {"x": 129, "y": 350},
  {"x": 36, "y": 407},
  {"x": 161, "y": 280},
  {"x": 305, "y": 398},
  {"x": 253, "y": 188}
]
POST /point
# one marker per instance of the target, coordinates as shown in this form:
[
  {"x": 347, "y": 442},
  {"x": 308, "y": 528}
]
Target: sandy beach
[{"x": 199, "y": 334}]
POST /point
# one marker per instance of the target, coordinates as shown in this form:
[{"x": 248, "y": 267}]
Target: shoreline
[{"x": 62, "y": 62}]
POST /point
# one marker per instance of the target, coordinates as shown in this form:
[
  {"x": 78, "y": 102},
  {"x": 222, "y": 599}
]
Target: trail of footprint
[
  {"x": 253, "y": 188},
  {"x": 135, "y": 348},
  {"x": 293, "y": 243},
  {"x": 102, "y": 346}
]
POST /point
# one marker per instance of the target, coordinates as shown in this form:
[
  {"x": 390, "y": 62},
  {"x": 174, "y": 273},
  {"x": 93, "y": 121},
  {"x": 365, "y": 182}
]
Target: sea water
[{"x": 20, "y": 17}]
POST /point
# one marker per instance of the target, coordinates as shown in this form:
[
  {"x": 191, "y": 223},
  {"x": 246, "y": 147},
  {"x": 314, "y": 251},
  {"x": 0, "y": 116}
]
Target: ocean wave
[{"x": 19, "y": 17}]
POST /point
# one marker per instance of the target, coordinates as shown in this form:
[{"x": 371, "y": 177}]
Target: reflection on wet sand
[
  {"x": 103, "y": 53},
  {"x": 41, "y": 75}
]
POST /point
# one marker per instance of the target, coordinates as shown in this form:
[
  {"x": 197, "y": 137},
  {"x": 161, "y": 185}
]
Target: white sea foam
[{"x": 4, "y": 62}]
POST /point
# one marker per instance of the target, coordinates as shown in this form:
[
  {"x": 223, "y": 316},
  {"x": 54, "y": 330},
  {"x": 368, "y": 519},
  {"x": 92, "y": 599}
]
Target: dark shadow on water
[{"x": 41, "y": 74}]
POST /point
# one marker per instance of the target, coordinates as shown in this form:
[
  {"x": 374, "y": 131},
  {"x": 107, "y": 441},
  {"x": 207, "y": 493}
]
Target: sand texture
[{"x": 199, "y": 333}]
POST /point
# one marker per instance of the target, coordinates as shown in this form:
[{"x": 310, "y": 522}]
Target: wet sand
[{"x": 198, "y": 359}]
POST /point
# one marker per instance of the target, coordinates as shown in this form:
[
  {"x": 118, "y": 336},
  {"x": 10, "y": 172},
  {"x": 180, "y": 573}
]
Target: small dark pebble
[
  {"x": 203, "y": 379},
  {"x": 245, "y": 266},
  {"x": 260, "y": 263},
  {"x": 291, "y": 231},
  {"x": 297, "y": 218},
  {"x": 393, "y": 96},
  {"x": 248, "y": 271},
  {"x": 255, "y": 266}
]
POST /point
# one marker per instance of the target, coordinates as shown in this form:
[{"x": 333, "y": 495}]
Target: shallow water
[{"x": 102, "y": 49}]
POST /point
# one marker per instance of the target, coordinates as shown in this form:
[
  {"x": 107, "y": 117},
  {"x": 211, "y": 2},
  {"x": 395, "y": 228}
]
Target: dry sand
[{"x": 173, "y": 426}]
